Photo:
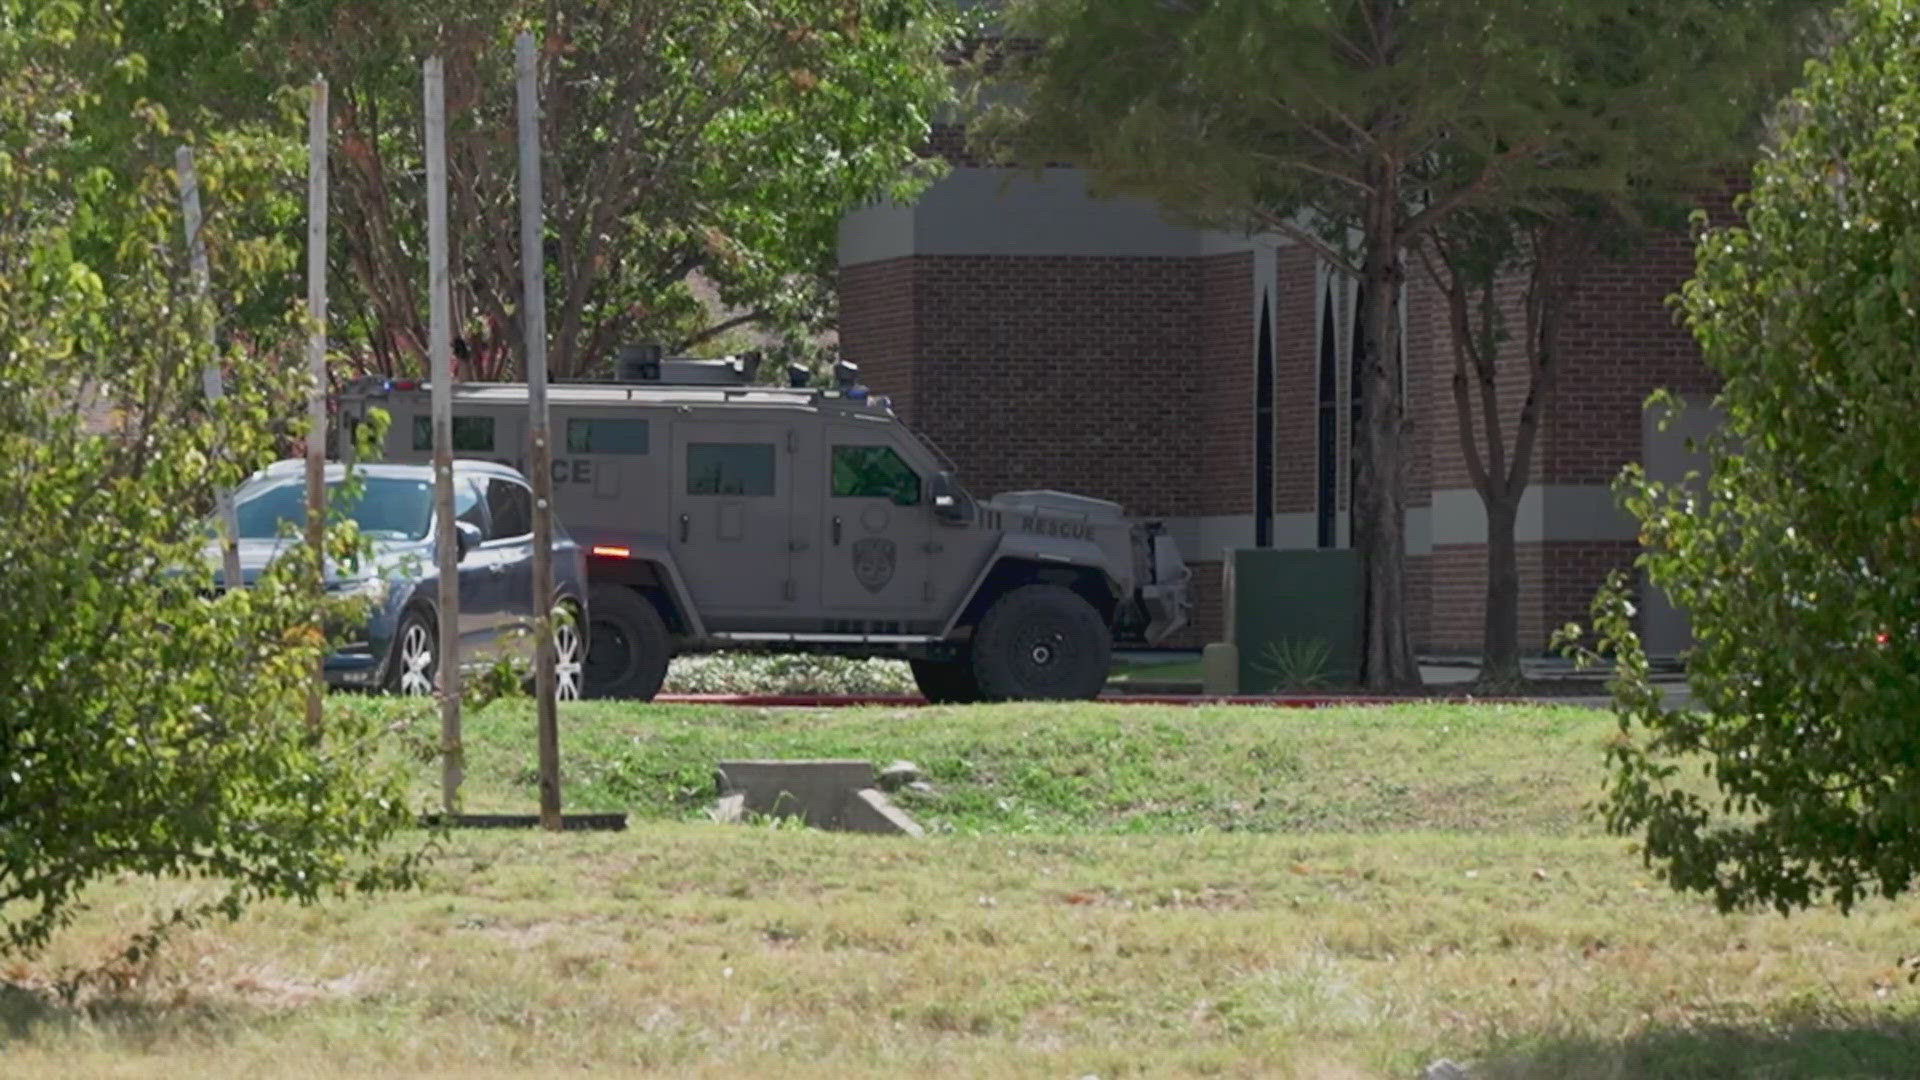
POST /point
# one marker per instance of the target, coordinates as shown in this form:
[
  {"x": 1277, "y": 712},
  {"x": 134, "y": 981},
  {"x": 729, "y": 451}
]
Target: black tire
[
  {"x": 946, "y": 682},
  {"x": 1042, "y": 643},
  {"x": 404, "y": 675},
  {"x": 628, "y": 647}
]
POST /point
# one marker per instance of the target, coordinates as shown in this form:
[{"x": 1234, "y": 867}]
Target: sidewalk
[{"x": 1442, "y": 673}]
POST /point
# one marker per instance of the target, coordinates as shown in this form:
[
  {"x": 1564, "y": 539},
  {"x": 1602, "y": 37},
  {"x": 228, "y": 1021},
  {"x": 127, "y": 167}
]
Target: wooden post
[
  {"x": 534, "y": 321},
  {"x": 317, "y": 364},
  {"x": 210, "y": 374},
  {"x": 439, "y": 351}
]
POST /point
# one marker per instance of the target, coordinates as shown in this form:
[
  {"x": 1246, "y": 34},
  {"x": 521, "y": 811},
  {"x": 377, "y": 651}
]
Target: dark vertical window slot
[
  {"x": 1328, "y": 421},
  {"x": 1263, "y": 431},
  {"x": 1357, "y": 382}
]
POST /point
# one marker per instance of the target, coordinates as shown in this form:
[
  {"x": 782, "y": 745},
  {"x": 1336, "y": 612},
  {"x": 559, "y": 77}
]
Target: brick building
[{"x": 1047, "y": 339}]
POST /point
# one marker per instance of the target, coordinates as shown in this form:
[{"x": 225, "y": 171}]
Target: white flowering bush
[{"x": 761, "y": 673}]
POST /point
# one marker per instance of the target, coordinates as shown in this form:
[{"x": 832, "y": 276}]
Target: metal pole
[
  {"x": 210, "y": 374},
  {"x": 533, "y": 287},
  {"x": 439, "y": 350},
  {"x": 317, "y": 362}
]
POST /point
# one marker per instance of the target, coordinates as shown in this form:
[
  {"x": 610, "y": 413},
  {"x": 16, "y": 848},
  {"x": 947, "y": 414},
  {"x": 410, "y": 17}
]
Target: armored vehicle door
[
  {"x": 877, "y": 522},
  {"x": 730, "y": 525},
  {"x": 609, "y": 470}
]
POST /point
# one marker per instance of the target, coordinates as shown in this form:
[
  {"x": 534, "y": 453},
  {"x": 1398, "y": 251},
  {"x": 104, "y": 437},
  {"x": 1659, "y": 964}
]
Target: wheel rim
[
  {"x": 609, "y": 655},
  {"x": 567, "y": 667},
  {"x": 1044, "y": 656},
  {"x": 416, "y": 661}
]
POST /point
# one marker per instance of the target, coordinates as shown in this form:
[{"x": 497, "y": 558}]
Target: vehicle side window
[
  {"x": 606, "y": 435},
  {"x": 874, "y": 472},
  {"x": 467, "y": 506},
  {"x": 510, "y": 505},
  {"x": 471, "y": 434},
  {"x": 730, "y": 469}
]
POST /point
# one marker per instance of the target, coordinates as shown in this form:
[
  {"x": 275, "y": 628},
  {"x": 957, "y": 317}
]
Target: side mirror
[
  {"x": 950, "y": 504},
  {"x": 466, "y": 537}
]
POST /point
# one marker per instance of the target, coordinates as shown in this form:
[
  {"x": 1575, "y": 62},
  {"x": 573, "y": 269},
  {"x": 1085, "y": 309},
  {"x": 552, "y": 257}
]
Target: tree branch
[
  {"x": 1294, "y": 232},
  {"x": 1440, "y": 208},
  {"x": 1459, "y": 327},
  {"x": 719, "y": 328}
]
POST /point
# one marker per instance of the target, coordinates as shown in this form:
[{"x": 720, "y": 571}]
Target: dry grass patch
[
  {"x": 1110, "y": 891},
  {"x": 692, "y": 950}
]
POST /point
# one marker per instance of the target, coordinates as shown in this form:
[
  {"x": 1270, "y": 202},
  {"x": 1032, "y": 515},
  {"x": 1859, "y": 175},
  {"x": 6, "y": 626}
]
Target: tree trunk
[
  {"x": 1380, "y": 490},
  {"x": 1500, "y": 640}
]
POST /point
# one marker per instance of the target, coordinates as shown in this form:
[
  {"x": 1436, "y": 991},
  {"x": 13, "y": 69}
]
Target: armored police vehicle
[{"x": 722, "y": 514}]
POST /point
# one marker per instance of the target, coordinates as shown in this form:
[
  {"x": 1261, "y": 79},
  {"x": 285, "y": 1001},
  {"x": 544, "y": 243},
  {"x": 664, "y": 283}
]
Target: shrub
[
  {"x": 1799, "y": 564},
  {"x": 148, "y": 726}
]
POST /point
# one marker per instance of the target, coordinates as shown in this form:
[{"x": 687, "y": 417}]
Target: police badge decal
[{"x": 873, "y": 559}]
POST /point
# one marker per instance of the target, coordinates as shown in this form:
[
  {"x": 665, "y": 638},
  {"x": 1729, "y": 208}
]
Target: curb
[{"x": 835, "y": 701}]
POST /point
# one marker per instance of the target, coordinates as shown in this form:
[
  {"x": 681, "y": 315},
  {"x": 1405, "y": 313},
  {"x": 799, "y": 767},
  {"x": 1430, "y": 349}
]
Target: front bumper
[
  {"x": 354, "y": 666},
  {"x": 1167, "y": 600}
]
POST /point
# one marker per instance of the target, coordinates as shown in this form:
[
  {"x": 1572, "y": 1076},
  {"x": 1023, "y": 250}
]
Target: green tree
[
  {"x": 1357, "y": 128},
  {"x": 1798, "y": 559},
  {"x": 150, "y": 726},
  {"x": 722, "y": 139},
  {"x": 1510, "y": 273}
]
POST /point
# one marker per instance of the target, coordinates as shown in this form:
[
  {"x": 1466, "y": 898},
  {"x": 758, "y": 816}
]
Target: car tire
[
  {"x": 413, "y": 666},
  {"x": 628, "y": 645},
  {"x": 946, "y": 682},
  {"x": 1042, "y": 643}
]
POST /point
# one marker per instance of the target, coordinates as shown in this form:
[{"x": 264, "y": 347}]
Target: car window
[
  {"x": 467, "y": 506},
  {"x": 606, "y": 435},
  {"x": 874, "y": 472},
  {"x": 510, "y": 504},
  {"x": 730, "y": 469},
  {"x": 388, "y": 508}
]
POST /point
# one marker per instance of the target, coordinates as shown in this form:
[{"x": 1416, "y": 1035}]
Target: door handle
[
  {"x": 836, "y": 532},
  {"x": 683, "y": 528}
]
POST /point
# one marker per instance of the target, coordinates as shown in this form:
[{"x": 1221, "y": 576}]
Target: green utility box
[{"x": 1295, "y": 618}]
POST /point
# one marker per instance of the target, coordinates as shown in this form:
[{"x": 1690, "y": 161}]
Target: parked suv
[
  {"x": 399, "y": 648},
  {"x": 719, "y": 514}
]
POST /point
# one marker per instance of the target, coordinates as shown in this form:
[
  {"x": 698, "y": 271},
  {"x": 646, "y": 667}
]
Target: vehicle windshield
[{"x": 388, "y": 508}]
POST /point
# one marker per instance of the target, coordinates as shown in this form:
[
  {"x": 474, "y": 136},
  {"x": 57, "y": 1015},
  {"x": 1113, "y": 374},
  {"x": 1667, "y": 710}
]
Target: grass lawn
[{"x": 1113, "y": 891}]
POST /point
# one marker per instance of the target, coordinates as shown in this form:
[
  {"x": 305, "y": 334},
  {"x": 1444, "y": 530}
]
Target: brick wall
[
  {"x": 1223, "y": 385},
  {"x": 1621, "y": 341},
  {"x": 876, "y": 328},
  {"x": 1066, "y": 372},
  {"x": 1429, "y": 371},
  {"x": 1557, "y": 583}
]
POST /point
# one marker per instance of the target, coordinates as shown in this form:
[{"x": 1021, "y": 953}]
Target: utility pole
[
  {"x": 210, "y": 374},
  {"x": 540, "y": 458},
  {"x": 317, "y": 367},
  {"x": 439, "y": 350}
]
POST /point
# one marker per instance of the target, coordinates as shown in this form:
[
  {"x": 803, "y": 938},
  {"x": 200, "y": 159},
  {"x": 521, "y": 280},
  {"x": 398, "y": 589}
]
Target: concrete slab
[
  {"x": 826, "y": 794},
  {"x": 870, "y": 811}
]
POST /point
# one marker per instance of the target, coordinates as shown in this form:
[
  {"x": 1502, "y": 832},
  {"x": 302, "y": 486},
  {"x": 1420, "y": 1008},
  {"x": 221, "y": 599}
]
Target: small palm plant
[{"x": 1295, "y": 664}]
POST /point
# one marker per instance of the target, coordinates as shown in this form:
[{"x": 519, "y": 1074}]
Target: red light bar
[{"x": 610, "y": 550}]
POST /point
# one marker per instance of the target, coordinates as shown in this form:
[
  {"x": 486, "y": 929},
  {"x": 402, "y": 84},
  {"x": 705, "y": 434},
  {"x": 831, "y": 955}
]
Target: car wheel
[
  {"x": 414, "y": 666},
  {"x": 1041, "y": 642},
  {"x": 628, "y": 647},
  {"x": 946, "y": 682},
  {"x": 569, "y": 656}
]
